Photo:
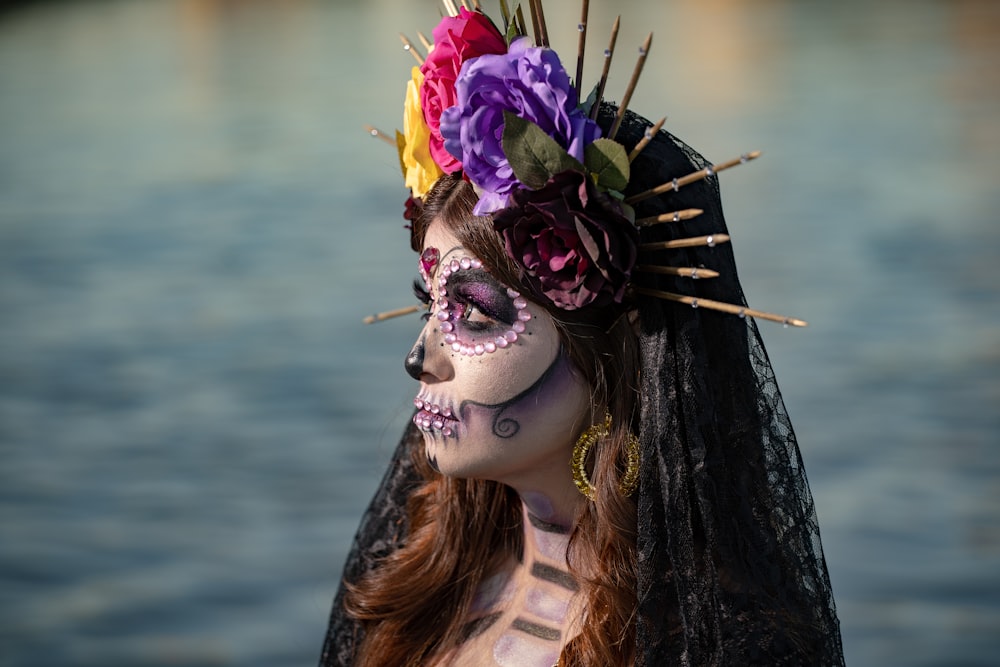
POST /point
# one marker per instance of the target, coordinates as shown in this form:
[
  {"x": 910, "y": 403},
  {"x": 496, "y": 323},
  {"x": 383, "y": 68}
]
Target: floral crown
[{"x": 500, "y": 109}]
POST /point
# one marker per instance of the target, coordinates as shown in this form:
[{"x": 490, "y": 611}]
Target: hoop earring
[{"x": 578, "y": 460}]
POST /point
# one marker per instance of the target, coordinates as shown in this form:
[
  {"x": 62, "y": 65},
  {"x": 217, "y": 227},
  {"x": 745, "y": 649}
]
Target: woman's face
[{"x": 499, "y": 398}]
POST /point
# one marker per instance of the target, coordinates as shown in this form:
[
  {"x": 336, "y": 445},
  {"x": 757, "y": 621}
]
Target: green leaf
[
  {"x": 608, "y": 161},
  {"x": 533, "y": 155},
  {"x": 588, "y": 104},
  {"x": 512, "y": 31}
]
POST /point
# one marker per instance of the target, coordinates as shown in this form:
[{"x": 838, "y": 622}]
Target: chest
[{"x": 520, "y": 620}]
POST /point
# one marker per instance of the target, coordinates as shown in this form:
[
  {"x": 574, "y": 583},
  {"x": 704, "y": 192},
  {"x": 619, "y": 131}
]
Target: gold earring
[{"x": 578, "y": 460}]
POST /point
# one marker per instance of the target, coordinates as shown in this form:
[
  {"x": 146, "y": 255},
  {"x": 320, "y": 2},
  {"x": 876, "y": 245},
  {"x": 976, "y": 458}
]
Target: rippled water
[{"x": 192, "y": 225}]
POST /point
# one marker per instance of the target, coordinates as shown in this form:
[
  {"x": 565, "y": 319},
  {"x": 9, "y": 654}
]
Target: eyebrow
[{"x": 446, "y": 256}]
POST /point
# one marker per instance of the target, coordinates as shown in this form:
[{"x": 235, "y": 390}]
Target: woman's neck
[{"x": 547, "y": 527}]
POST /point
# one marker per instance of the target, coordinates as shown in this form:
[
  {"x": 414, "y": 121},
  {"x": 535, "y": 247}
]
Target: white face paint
[{"x": 499, "y": 399}]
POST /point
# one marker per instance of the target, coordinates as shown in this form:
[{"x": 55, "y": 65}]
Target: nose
[
  {"x": 428, "y": 360},
  {"x": 414, "y": 362}
]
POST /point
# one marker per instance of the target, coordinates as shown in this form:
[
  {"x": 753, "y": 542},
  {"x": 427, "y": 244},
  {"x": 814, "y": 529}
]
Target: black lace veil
[{"x": 730, "y": 566}]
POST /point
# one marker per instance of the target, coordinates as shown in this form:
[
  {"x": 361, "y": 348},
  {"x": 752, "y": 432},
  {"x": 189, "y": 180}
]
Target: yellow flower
[{"x": 419, "y": 169}]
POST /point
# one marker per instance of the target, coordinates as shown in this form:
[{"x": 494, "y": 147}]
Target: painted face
[{"x": 499, "y": 398}]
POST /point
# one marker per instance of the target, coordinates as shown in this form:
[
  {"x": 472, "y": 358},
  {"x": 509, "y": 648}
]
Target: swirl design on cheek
[
  {"x": 505, "y": 427},
  {"x": 529, "y": 404}
]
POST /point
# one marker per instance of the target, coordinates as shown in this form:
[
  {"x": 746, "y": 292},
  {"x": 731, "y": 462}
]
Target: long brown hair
[{"x": 462, "y": 530}]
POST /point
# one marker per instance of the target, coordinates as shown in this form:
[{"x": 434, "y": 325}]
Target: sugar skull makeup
[{"x": 498, "y": 393}]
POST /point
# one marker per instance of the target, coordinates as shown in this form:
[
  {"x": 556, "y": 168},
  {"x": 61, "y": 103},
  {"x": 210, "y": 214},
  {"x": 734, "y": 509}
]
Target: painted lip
[{"x": 432, "y": 416}]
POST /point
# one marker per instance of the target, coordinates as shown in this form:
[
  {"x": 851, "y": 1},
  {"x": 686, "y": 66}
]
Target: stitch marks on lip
[{"x": 431, "y": 417}]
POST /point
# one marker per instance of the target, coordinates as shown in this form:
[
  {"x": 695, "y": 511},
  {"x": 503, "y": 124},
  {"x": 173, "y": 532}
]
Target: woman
[{"x": 596, "y": 474}]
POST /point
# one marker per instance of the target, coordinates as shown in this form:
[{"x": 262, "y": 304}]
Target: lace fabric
[{"x": 730, "y": 565}]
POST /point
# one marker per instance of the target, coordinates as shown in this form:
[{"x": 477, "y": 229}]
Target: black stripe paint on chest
[
  {"x": 536, "y": 630},
  {"x": 554, "y": 575},
  {"x": 473, "y": 629}
]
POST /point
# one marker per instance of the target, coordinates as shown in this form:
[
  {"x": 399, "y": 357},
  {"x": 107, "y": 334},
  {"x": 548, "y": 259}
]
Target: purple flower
[
  {"x": 574, "y": 243},
  {"x": 527, "y": 81}
]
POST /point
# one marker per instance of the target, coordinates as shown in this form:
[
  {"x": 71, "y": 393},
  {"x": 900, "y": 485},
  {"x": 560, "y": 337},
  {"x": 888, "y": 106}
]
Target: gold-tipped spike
[
  {"x": 582, "y": 27},
  {"x": 678, "y": 183},
  {"x": 389, "y": 314},
  {"x": 711, "y": 241},
  {"x": 682, "y": 271},
  {"x": 623, "y": 105},
  {"x": 379, "y": 134},
  {"x": 646, "y": 138},
  {"x": 450, "y": 8},
  {"x": 673, "y": 216},
  {"x": 423, "y": 40},
  {"x": 538, "y": 20},
  {"x": 407, "y": 46},
  {"x": 608, "y": 53},
  {"x": 723, "y": 307}
]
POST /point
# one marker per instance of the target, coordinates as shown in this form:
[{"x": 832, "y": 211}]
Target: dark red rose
[{"x": 574, "y": 243}]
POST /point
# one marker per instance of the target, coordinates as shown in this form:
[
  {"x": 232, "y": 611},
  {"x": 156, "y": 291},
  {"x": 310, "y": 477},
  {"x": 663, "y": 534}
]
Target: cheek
[{"x": 551, "y": 407}]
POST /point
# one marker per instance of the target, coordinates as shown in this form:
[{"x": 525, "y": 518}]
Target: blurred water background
[{"x": 193, "y": 223}]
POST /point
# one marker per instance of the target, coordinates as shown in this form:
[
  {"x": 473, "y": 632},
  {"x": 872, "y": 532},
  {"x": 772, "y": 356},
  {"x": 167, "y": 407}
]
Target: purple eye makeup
[{"x": 477, "y": 314}]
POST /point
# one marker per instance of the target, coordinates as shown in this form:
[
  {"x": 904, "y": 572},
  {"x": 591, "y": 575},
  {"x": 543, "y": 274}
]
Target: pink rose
[{"x": 456, "y": 40}]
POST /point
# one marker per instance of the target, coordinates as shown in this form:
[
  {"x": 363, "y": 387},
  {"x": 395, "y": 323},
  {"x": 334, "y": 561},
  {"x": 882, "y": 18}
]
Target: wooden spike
[
  {"x": 538, "y": 19},
  {"x": 465, "y": 4},
  {"x": 407, "y": 46},
  {"x": 521, "y": 27},
  {"x": 623, "y": 105},
  {"x": 505, "y": 14},
  {"x": 535, "y": 28},
  {"x": 582, "y": 27},
  {"x": 423, "y": 40},
  {"x": 379, "y": 134},
  {"x": 646, "y": 138},
  {"x": 673, "y": 216},
  {"x": 389, "y": 314},
  {"x": 450, "y": 8},
  {"x": 678, "y": 183},
  {"x": 475, "y": 4},
  {"x": 682, "y": 271},
  {"x": 722, "y": 306},
  {"x": 693, "y": 242},
  {"x": 608, "y": 53}
]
